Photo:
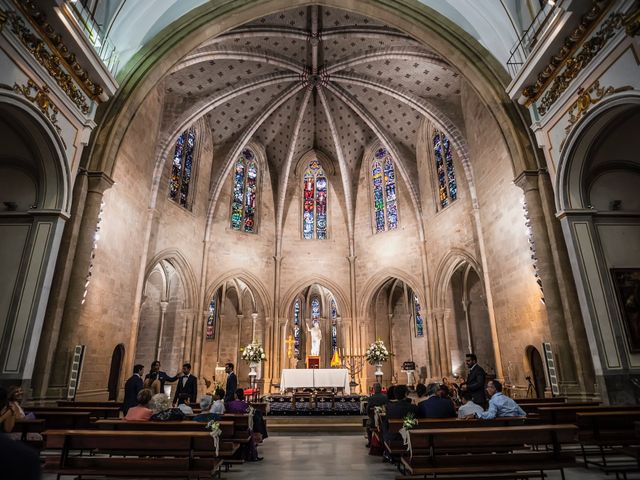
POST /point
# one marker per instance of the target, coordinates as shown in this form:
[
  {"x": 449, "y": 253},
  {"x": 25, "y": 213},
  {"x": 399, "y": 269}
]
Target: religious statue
[{"x": 316, "y": 336}]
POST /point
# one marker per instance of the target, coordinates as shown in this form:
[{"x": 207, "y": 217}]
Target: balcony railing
[
  {"x": 103, "y": 47},
  {"x": 529, "y": 38}
]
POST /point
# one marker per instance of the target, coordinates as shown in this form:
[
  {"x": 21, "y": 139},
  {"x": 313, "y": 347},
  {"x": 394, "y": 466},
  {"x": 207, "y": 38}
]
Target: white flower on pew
[
  {"x": 215, "y": 431},
  {"x": 408, "y": 423}
]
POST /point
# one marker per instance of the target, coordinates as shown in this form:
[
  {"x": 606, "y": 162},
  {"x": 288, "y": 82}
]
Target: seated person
[
  {"x": 15, "y": 396},
  {"x": 378, "y": 399},
  {"x": 421, "y": 393},
  {"x": 141, "y": 412},
  {"x": 218, "y": 401},
  {"x": 206, "y": 415},
  {"x": 7, "y": 415},
  {"x": 499, "y": 404},
  {"x": 437, "y": 404},
  {"x": 468, "y": 407},
  {"x": 162, "y": 409},
  {"x": 398, "y": 409},
  {"x": 184, "y": 407},
  {"x": 238, "y": 405}
]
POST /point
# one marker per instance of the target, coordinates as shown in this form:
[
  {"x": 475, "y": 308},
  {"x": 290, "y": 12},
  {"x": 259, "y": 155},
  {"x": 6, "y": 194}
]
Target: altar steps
[{"x": 338, "y": 425}]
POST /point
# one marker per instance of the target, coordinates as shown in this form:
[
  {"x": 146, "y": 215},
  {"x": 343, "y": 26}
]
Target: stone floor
[{"x": 324, "y": 457}]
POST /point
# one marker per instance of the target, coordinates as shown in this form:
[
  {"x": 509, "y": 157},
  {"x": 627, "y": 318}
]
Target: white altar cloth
[{"x": 315, "y": 378}]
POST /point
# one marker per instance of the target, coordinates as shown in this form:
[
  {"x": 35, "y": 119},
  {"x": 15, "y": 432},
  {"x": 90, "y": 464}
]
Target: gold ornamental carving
[
  {"x": 587, "y": 21},
  {"x": 574, "y": 65},
  {"x": 632, "y": 21},
  {"x": 39, "y": 20},
  {"x": 40, "y": 96},
  {"x": 49, "y": 61}
]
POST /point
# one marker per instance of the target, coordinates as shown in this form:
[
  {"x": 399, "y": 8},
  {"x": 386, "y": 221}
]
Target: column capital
[
  {"x": 527, "y": 180},
  {"x": 352, "y": 259},
  {"x": 163, "y": 306},
  {"x": 254, "y": 316},
  {"x": 99, "y": 182}
]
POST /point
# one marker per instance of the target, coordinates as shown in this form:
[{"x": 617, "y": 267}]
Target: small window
[
  {"x": 245, "y": 191},
  {"x": 314, "y": 215},
  {"x": 182, "y": 168},
  {"x": 385, "y": 206},
  {"x": 446, "y": 177}
]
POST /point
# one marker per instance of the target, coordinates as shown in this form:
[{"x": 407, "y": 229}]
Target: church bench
[
  {"x": 60, "y": 420},
  {"x": 191, "y": 454},
  {"x": 96, "y": 412},
  {"x": 85, "y": 404},
  {"x": 505, "y": 451},
  {"x": 227, "y": 426},
  {"x": 551, "y": 400},
  {"x": 567, "y": 414},
  {"x": 534, "y": 407},
  {"x": 612, "y": 432},
  {"x": 25, "y": 427}
]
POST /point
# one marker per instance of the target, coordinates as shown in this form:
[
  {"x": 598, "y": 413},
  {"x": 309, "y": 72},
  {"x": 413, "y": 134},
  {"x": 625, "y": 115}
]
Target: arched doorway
[
  {"x": 115, "y": 371},
  {"x": 538, "y": 378},
  {"x": 34, "y": 201}
]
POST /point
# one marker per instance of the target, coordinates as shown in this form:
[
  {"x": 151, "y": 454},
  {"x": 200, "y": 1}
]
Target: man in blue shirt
[{"x": 500, "y": 405}]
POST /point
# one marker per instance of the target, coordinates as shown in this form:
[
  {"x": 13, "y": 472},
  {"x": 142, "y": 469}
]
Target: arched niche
[
  {"x": 596, "y": 195},
  {"x": 34, "y": 204}
]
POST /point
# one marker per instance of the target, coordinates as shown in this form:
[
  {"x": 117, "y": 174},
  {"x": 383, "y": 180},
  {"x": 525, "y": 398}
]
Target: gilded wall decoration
[
  {"x": 49, "y": 61},
  {"x": 570, "y": 44},
  {"x": 40, "y": 96},
  {"x": 39, "y": 20},
  {"x": 586, "y": 99},
  {"x": 574, "y": 65}
]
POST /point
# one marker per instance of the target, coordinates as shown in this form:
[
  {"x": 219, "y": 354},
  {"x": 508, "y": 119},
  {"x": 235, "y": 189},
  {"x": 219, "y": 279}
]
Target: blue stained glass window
[
  {"x": 245, "y": 190},
  {"x": 296, "y": 329},
  {"x": 182, "y": 168},
  {"x": 314, "y": 207},
  {"x": 385, "y": 205},
  {"x": 418, "y": 317},
  {"x": 447, "y": 186},
  {"x": 315, "y": 310},
  {"x": 334, "y": 326},
  {"x": 211, "y": 319}
]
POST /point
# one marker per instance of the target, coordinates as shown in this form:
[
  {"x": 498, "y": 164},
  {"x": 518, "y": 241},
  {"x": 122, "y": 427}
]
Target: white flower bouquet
[
  {"x": 377, "y": 353},
  {"x": 215, "y": 431},
  {"x": 409, "y": 421},
  {"x": 253, "y": 353}
]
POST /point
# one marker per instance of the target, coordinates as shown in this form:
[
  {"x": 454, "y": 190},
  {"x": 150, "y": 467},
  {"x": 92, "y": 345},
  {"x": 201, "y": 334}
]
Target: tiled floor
[{"x": 324, "y": 457}]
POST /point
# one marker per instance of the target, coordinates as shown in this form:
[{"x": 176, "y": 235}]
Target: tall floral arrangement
[
  {"x": 253, "y": 353},
  {"x": 377, "y": 353}
]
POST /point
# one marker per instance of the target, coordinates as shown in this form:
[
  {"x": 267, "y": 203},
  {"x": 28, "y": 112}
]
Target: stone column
[
  {"x": 238, "y": 357},
  {"x": 163, "y": 311},
  {"x": 254, "y": 317},
  {"x": 97, "y": 184},
  {"x": 467, "y": 322},
  {"x": 528, "y": 182}
]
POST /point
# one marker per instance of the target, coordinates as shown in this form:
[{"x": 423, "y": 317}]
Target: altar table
[{"x": 315, "y": 378}]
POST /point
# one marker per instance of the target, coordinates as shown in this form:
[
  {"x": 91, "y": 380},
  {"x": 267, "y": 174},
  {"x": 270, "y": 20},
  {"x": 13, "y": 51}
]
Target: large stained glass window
[
  {"x": 418, "y": 317},
  {"x": 245, "y": 189},
  {"x": 182, "y": 168},
  {"x": 385, "y": 205},
  {"x": 296, "y": 329},
  {"x": 314, "y": 214},
  {"x": 315, "y": 310},
  {"x": 334, "y": 326},
  {"x": 211, "y": 319},
  {"x": 447, "y": 186}
]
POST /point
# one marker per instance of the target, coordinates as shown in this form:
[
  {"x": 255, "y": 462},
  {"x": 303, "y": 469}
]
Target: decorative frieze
[
  {"x": 632, "y": 21},
  {"x": 49, "y": 61},
  {"x": 570, "y": 44},
  {"x": 40, "y": 96},
  {"x": 39, "y": 20},
  {"x": 574, "y": 65}
]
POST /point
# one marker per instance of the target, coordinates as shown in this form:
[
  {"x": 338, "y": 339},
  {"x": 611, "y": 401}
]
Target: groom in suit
[
  {"x": 476, "y": 380},
  {"x": 131, "y": 388},
  {"x": 187, "y": 387},
  {"x": 232, "y": 383}
]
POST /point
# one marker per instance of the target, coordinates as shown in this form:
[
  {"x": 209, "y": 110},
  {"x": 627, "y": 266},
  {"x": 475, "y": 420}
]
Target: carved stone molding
[
  {"x": 632, "y": 21},
  {"x": 574, "y": 65},
  {"x": 586, "y": 99},
  {"x": 3, "y": 19},
  {"x": 39, "y": 20},
  {"x": 570, "y": 43},
  {"x": 49, "y": 61},
  {"x": 40, "y": 96}
]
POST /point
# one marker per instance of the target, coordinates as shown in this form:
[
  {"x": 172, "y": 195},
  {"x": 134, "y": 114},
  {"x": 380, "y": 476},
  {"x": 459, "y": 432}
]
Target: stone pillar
[
  {"x": 239, "y": 345},
  {"x": 467, "y": 322},
  {"x": 528, "y": 182},
  {"x": 163, "y": 311},
  {"x": 97, "y": 184},
  {"x": 254, "y": 317}
]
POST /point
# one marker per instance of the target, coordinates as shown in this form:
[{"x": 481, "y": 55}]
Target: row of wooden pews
[{"x": 551, "y": 437}]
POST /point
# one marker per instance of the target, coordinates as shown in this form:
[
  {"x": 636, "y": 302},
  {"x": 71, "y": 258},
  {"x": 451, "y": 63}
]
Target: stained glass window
[
  {"x": 296, "y": 329},
  {"x": 314, "y": 209},
  {"x": 182, "y": 168},
  {"x": 447, "y": 186},
  {"x": 418, "y": 317},
  {"x": 211, "y": 319},
  {"x": 334, "y": 326},
  {"x": 315, "y": 310},
  {"x": 245, "y": 189},
  {"x": 385, "y": 205}
]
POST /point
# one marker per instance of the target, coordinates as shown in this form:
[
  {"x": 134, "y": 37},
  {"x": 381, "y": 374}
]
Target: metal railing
[
  {"x": 529, "y": 38},
  {"x": 105, "y": 49}
]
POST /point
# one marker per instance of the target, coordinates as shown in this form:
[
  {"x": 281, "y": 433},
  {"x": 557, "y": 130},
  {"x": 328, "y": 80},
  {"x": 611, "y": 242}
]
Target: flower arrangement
[
  {"x": 377, "y": 353},
  {"x": 253, "y": 352},
  {"x": 215, "y": 431},
  {"x": 409, "y": 421}
]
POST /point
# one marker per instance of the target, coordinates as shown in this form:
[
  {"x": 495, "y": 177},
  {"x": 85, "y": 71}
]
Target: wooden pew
[
  {"x": 190, "y": 452},
  {"x": 25, "y": 427},
  {"x": 61, "y": 420},
  {"x": 96, "y": 412},
  {"x": 567, "y": 413},
  {"x": 505, "y": 452},
  {"x": 534, "y": 407},
  {"x": 84, "y": 404},
  {"x": 227, "y": 426},
  {"x": 551, "y": 400}
]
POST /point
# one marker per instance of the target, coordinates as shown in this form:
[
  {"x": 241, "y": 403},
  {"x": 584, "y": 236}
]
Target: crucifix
[{"x": 289, "y": 341}]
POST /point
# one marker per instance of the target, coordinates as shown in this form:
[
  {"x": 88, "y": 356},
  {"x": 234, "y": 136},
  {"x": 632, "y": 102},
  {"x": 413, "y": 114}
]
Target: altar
[{"x": 292, "y": 378}]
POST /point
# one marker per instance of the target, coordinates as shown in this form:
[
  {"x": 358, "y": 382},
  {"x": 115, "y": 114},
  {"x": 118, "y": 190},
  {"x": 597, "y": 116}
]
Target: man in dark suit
[
  {"x": 232, "y": 383},
  {"x": 476, "y": 379},
  {"x": 435, "y": 406},
  {"x": 398, "y": 409},
  {"x": 131, "y": 388},
  {"x": 160, "y": 376},
  {"x": 187, "y": 388},
  {"x": 378, "y": 399}
]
